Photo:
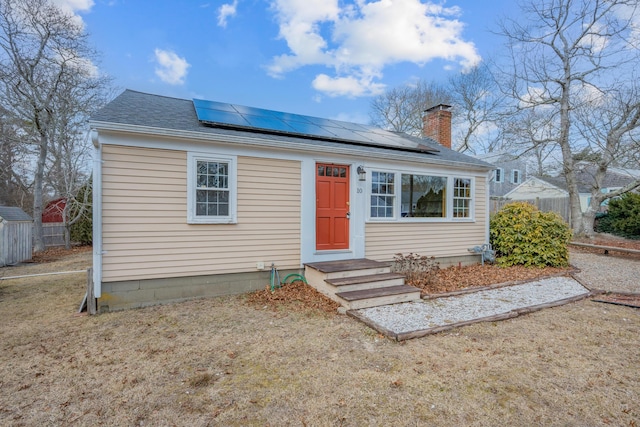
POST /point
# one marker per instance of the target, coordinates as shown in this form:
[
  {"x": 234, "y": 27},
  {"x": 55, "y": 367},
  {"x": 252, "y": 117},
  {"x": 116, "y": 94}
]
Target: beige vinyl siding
[
  {"x": 145, "y": 230},
  {"x": 439, "y": 239}
]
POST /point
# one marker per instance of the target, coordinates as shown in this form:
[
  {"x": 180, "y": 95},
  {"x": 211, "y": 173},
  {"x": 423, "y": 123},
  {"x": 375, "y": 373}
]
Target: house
[
  {"x": 16, "y": 228},
  {"x": 537, "y": 188},
  {"x": 54, "y": 210},
  {"x": 196, "y": 198},
  {"x": 510, "y": 171},
  {"x": 615, "y": 179}
]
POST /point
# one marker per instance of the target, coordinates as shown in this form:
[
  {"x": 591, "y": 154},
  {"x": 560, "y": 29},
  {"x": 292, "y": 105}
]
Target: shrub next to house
[{"x": 522, "y": 235}]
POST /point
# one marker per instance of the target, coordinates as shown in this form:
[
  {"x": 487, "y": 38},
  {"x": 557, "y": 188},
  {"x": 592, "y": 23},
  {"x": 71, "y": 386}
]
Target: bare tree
[
  {"x": 478, "y": 104},
  {"x": 401, "y": 109},
  {"x": 44, "y": 58},
  {"x": 561, "y": 52},
  {"x": 475, "y": 100},
  {"x": 13, "y": 188}
]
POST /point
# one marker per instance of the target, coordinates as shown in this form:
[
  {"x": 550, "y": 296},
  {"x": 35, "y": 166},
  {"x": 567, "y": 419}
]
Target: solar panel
[{"x": 253, "y": 119}]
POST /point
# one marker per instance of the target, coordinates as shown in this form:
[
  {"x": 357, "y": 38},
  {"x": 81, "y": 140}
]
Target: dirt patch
[{"x": 221, "y": 361}]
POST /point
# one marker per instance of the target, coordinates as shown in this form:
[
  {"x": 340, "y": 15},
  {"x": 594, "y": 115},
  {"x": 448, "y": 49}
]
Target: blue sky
[{"x": 325, "y": 58}]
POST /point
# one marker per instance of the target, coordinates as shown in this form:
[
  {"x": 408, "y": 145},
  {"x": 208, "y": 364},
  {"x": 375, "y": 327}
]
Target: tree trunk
[
  {"x": 587, "y": 219},
  {"x": 38, "y": 233}
]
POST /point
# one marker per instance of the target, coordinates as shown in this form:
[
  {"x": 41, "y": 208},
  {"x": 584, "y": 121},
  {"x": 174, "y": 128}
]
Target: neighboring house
[
  {"x": 53, "y": 211},
  {"x": 614, "y": 179},
  {"x": 53, "y": 228},
  {"x": 509, "y": 173},
  {"x": 536, "y": 188},
  {"x": 197, "y": 198},
  {"x": 16, "y": 228}
]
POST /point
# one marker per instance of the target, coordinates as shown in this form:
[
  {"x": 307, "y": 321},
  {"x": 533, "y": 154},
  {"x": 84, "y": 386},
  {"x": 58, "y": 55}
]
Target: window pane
[
  {"x": 212, "y": 183},
  {"x": 423, "y": 196},
  {"x": 202, "y": 167},
  {"x": 462, "y": 198},
  {"x": 320, "y": 170}
]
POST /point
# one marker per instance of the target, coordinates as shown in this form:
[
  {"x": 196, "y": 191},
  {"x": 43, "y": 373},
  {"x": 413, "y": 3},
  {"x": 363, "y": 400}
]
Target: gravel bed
[
  {"x": 606, "y": 272},
  {"x": 429, "y": 314}
]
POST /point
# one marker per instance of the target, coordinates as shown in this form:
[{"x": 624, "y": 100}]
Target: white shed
[{"x": 16, "y": 229}]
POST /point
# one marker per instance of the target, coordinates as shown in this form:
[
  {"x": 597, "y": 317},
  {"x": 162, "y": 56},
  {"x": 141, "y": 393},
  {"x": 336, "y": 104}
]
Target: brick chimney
[{"x": 436, "y": 124}]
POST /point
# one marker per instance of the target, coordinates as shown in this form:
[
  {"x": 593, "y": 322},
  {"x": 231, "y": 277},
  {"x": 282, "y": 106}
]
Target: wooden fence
[
  {"x": 53, "y": 234},
  {"x": 559, "y": 205}
]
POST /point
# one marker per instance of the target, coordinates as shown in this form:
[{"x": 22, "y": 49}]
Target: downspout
[
  {"x": 488, "y": 206},
  {"x": 97, "y": 215}
]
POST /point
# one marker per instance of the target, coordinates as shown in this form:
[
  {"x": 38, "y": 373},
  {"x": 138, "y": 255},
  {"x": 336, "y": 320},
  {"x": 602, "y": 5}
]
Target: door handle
[{"x": 348, "y": 215}]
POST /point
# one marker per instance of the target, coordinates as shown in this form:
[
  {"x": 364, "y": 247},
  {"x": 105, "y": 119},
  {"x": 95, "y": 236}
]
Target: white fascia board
[{"x": 280, "y": 144}]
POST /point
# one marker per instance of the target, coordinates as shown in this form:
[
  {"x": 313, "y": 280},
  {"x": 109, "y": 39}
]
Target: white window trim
[
  {"x": 398, "y": 196},
  {"x": 472, "y": 198},
  {"x": 501, "y": 178},
  {"x": 192, "y": 218},
  {"x": 513, "y": 176},
  {"x": 396, "y": 205}
]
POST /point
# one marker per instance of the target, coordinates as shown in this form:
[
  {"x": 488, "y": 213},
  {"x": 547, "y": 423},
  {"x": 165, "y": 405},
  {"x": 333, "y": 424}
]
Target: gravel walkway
[
  {"x": 430, "y": 316},
  {"x": 606, "y": 272},
  {"x": 415, "y": 319}
]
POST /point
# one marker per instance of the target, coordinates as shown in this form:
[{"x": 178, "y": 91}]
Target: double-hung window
[
  {"x": 211, "y": 189},
  {"x": 382, "y": 194},
  {"x": 461, "y": 198},
  {"x": 516, "y": 176}
]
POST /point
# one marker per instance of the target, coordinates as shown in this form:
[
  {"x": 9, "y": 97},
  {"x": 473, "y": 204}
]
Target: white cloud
[
  {"x": 71, "y": 7},
  {"x": 171, "y": 68},
  {"x": 358, "y": 40},
  {"x": 226, "y": 11},
  {"x": 74, "y": 5},
  {"x": 347, "y": 86}
]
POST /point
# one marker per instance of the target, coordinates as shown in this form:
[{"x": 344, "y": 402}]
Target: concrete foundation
[{"x": 141, "y": 293}]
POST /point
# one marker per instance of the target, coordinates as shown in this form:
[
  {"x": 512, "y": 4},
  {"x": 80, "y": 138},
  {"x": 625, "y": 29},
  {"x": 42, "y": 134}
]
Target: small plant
[
  {"x": 419, "y": 270},
  {"x": 522, "y": 235}
]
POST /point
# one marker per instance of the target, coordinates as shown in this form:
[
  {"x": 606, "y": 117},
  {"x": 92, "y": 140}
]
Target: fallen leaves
[{"x": 296, "y": 296}]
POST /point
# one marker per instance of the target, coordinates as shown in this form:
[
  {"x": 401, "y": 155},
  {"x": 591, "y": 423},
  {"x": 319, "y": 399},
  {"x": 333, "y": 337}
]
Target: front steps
[{"x": 359, "y": 283}]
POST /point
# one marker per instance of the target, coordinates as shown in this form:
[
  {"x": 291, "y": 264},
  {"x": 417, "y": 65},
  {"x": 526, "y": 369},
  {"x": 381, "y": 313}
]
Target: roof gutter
[{"x": 258, "y": 142}]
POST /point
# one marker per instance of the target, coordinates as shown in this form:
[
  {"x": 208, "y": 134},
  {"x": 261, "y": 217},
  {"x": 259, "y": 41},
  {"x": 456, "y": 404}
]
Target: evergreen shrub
[
  {"x": 522, "y": 235},
  {"x": 623, "y": 218}
]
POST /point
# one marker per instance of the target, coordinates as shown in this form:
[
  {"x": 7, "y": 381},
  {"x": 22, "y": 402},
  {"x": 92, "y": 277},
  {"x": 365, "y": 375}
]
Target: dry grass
[{"x": 225, "y": 362}]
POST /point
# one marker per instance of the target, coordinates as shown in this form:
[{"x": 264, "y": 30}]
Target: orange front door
[{"x": 332, "y": 206}]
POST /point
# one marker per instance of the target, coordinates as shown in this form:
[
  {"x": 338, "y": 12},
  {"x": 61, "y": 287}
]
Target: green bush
[
  {"x": 82, "y": 230},
  {"x": 623, "y": 218},
  {"x": 522, "y": 235}
]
